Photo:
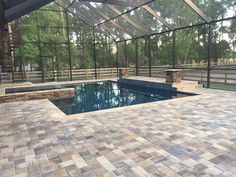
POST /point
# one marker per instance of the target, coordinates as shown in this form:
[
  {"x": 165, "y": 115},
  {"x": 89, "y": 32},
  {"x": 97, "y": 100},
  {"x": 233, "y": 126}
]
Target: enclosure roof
[
  {"x": 14, "y": 9},
  {"x": 126, "y": 19}
]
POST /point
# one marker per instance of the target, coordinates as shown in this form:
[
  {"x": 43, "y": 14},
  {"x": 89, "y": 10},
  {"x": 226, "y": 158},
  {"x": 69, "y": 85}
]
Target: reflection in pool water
[{"x": 104, "y": 95}]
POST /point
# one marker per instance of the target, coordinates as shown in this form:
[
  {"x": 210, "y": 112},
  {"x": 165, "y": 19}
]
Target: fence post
[
  {"x": 226, "y": 76},
  {"x": 183, "y": 71},
  {"x": 26, "y": 76},
  {"x": 56, "y": 57},
  {"x": 201, "y": 74},
  {"x": 86, "y": 73},
  {"x": 111, "y": 72}
]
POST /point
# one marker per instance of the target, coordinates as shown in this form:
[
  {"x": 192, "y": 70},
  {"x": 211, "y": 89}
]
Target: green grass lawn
[{"x": 222, "y": 86}]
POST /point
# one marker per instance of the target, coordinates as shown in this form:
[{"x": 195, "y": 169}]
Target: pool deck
[{"x": 189, "y": 137}]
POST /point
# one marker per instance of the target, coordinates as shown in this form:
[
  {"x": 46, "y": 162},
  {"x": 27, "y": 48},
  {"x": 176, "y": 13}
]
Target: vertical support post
[
  {"x": 157, "y": 58},
  {"x": 209, "y": 55},
  {"x": 6, "y": 47},
  {"x": 126, "y": 58},
  {"x": 136, "y": 58},
  {"x": 39, "y": 46},
  {"x": 174, "y": 49},
  {"x": 2, "y": 17},
  {"x": 68, "y": 43},
  {"x": 94, "y": 53},
  {"x": 2, "y": 23},
  {"x": 11, "y": 53},
  {"x": 117, "y": 57},
  {"x": 149, "y": 57}
]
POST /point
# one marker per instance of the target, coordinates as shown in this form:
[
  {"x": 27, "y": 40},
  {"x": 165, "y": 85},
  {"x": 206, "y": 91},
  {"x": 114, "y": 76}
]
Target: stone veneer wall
[
  {"x": 173, "y": 76},
  {"x": 123, "y": 72},
  {"x": 46, "y": 94}
]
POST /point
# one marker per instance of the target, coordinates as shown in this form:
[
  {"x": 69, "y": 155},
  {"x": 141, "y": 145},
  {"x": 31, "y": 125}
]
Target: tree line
[{"x": 51, "y": 36}]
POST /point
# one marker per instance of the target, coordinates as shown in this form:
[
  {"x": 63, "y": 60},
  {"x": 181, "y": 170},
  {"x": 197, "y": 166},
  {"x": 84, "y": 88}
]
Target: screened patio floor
[{"x": 190, "y": 136}]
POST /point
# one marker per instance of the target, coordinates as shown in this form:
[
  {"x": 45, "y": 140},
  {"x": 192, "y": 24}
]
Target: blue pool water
[{"x": 105, "y": 95}]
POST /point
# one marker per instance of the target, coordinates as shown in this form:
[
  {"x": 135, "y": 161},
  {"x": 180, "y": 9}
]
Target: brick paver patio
[{"x": 191, "y": 136}]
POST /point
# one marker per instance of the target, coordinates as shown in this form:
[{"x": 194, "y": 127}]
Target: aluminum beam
[
  {"x": 138, "y": 27},
  {"x": 84, "y": 19},
  {"x": 159, "y": 18},
  {"x": 107, "y": 18},
  {"x": 197, "y": 10},
  {"x": 90, "y": 22},
  {"x": 110, "y": 32},
  {"x": 93, "y": 21},
  {"x": 103, "y": 26},
  {"x": 12, "y": 3},
  {"x": 24, "y": 8},
  {"x": 128, "y": 11},
  {"x": 71, "y": 4},
  {"x": 118, "y": 2}
]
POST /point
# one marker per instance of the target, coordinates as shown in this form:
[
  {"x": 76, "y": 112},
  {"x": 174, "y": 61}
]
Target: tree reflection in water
[{"x": 104, "y": 95}]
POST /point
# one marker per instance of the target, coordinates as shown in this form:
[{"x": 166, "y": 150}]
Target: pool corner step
[
  {"x": 187, "y": 85},
  {"x": 147, "y": 83}
]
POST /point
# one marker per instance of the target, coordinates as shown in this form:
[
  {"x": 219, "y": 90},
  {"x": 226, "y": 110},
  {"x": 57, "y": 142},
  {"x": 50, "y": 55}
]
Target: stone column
[
  {"x": 173, "y": 76},
  {"x": 123, "y": 72}
]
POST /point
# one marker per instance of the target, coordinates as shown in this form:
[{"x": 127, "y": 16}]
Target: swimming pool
[{"x": 104, "y": 95}]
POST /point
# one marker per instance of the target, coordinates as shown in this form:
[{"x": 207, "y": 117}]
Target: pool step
[
  {"x": 33, "y": 95},
  {"x": 160, "y": 83},
  {"x": 147, "y": 83},
  {"x": 187, "y": 85}
]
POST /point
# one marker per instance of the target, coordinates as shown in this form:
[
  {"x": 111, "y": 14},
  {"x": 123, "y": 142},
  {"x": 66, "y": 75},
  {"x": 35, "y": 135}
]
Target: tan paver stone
[
  {"x": 208, "y": 156},
  {"x": 79, "y": 161},
  {"x": 106, "y": 163},
  {"x": 141, "y": 172},
  {"x": 66, "y": 163},
  {"x": 213, "y": 171},
  {"x": 110, "y": 174}
]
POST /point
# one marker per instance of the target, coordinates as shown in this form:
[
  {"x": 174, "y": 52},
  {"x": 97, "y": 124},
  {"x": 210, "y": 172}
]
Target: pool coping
[
  {"x": 196, "y": 95},
  {"x": 57, "y": 113},
  {"x": 117, "y": 109}
]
